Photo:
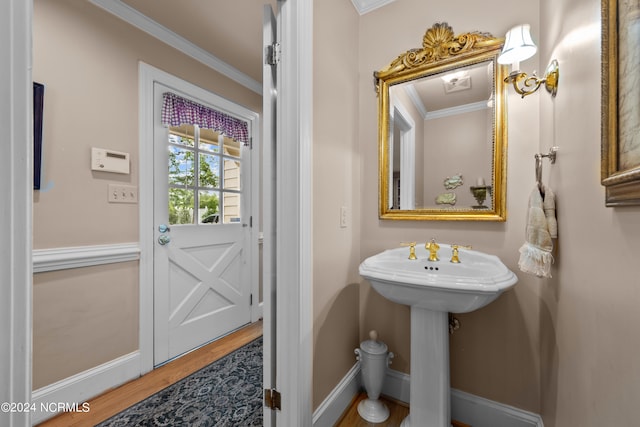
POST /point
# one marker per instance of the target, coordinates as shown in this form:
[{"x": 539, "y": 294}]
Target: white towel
[
  {"x": 535, "y": 253},
  {"x": 549, "y": 206}
]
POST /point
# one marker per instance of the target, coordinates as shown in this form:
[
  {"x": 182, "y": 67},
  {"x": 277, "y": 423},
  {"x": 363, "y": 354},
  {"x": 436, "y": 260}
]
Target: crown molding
[
  {"x": 365, "y": 6},
  {"x": 151, "y": 27}
]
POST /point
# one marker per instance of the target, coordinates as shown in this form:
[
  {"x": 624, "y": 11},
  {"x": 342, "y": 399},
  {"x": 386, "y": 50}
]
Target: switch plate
[
  {"x": 343, "y": 216},
  {"x": 119, "y": 193}
]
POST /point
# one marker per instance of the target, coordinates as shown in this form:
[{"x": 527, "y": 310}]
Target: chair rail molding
[{"x": 83, "y": 256}]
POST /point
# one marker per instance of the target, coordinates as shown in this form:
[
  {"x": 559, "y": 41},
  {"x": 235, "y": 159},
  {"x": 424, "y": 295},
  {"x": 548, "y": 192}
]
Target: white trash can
[{"x": 374, "y": 360}]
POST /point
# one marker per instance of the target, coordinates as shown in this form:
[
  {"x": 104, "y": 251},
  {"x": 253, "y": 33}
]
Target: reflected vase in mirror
[{"x": 480, "y": 194}]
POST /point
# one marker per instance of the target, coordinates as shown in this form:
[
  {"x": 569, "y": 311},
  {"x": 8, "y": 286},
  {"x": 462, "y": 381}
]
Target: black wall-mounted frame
[{"x": 38, "y": 108}]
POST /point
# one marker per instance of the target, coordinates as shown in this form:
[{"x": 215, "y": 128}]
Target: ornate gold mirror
[{"x": 442, "y": 134}]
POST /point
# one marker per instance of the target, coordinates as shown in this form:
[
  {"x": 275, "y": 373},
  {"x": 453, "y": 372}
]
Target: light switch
[
  {"x": 343, "y": 216},
  {"x": 119, "y": 193}
]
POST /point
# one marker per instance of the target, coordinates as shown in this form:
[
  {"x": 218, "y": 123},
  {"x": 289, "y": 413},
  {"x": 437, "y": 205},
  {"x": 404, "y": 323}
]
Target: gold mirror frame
[{"x": 442, "y": 52}]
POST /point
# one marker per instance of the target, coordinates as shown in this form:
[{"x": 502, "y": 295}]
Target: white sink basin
[
  {"x": 476, "y": 281},
  {"x": 434, "y": 289}
]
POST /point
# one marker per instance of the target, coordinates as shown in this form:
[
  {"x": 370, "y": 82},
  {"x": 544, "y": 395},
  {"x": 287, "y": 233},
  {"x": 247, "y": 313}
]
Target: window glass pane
[
  {"x": 231, "y": 174},
  {"x": 231, "y": 208},
  {"x": 181, "y": 135},
  {"x": 181, "y": 167},
  {"x": 209, "y": 170},
  {"x": 209, "y": 207},
  {"x": 180, "y": 206},
  {"x": 205, "y": 146}
]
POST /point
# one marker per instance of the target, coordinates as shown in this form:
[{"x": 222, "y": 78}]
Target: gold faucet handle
[
  {"x": 412, "y": 249},
  {"x": 461, "y": 246},
  {"x": 455, "y": 258},
  {"x": 433, "y": 248}
]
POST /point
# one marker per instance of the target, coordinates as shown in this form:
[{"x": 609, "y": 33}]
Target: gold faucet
[
  {"x": 454, "y": 253},
  {"x": 432, "y": 247},
  {"x": 412, "y": 249}
]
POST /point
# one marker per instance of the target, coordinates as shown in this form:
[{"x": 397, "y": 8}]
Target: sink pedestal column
[{"x": 429, "y": 404}]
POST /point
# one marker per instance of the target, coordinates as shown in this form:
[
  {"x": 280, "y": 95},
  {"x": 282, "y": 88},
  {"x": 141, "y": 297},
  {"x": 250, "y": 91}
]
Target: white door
[{"x": 202, "y": 261}]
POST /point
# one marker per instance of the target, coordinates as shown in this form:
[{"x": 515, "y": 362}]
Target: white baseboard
[
  {"x": 482, "y": 412},
  {"x": 332, "y": 408},
  {"x": 83, "y": 386},
  {"x": 465, "y": 407}
]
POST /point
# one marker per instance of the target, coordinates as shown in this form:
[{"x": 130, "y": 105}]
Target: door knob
[
  {"x": 163, "y": 240},
  {"x": 163, "y": 228}
]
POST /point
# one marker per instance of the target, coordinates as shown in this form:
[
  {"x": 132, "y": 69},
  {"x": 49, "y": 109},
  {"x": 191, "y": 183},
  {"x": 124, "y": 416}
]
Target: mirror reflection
[{"x": 441, "y": 132}]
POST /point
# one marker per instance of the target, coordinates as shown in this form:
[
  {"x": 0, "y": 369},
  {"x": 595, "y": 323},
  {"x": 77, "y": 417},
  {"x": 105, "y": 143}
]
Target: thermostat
[{"x": 109, "y": 161}]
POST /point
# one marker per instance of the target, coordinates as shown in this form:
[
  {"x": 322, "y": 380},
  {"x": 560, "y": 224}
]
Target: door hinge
[
  {"x": 273, "y": 53},
  {"x": 272, "y": 399},
  {"x": 250, "y": 299}
]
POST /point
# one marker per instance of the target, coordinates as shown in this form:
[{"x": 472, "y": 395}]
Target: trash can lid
[{"x": 372, "y": 345}]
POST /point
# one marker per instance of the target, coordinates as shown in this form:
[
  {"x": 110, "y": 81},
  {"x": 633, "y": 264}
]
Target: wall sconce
[{"x": 519, "y": 46}]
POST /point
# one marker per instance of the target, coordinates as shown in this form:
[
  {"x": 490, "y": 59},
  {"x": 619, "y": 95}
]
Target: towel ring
[{"x": 552, "y": 158}]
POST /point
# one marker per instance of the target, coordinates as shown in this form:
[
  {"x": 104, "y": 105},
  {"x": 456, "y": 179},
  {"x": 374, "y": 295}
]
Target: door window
[{"x": 204, "y": 177}]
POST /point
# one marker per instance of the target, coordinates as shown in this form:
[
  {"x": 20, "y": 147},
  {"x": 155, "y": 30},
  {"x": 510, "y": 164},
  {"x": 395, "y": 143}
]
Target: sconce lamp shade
[{"x": 518, "y": 45}]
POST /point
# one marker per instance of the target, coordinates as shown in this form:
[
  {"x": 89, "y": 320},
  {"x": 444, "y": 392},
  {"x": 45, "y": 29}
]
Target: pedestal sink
[{"x": 433, "y": 289}]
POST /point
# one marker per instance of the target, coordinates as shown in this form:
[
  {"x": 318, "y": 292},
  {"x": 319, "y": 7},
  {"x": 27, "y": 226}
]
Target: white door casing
[
  {"x": 16, "y": 189},
  {"x": 196, "y": 255}
]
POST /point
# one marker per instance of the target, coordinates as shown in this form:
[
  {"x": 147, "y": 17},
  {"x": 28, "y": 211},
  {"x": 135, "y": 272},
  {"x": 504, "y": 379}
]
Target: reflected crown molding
[
  {"x": 467, "y": 108},
  {"x": 149, "y": 26},
  {"x": 429, "y": 115}
]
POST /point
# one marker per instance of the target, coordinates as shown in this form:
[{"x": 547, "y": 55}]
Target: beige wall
[
  {"x": 82, "y": 318},
  {"x": 588, "y": 314},
  {"x": 336, "y": 183},
  {"x": 88, "y": 61}
]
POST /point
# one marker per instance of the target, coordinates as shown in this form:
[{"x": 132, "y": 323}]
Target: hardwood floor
[
  {"x": 398, "y": 410},
  {"x": 351, "y": 418},
  {"x": 120, "y": 398}
]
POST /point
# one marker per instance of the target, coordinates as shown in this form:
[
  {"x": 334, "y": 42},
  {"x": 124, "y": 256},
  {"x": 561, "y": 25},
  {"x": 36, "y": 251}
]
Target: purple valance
[{"x": 177, "y": 111}]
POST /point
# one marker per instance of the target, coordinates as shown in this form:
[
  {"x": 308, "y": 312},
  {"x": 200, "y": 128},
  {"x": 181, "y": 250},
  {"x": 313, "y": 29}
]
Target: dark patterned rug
[{"x": 226, "y": 393}]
